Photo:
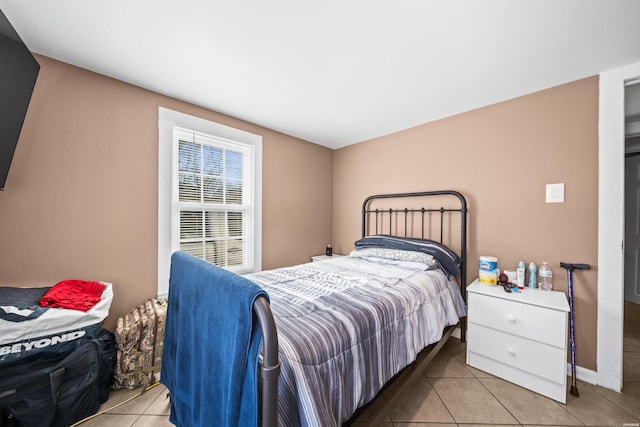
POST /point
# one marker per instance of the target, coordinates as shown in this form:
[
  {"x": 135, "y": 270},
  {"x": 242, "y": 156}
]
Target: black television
[{"x": 18, "y": 73}]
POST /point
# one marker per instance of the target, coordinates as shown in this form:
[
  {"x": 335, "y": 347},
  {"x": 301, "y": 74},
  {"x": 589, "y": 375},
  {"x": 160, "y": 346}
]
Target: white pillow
[{"x": 411, "y": 259}]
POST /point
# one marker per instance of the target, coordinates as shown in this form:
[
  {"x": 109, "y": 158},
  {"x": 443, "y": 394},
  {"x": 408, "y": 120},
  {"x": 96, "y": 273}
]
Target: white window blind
[
  {"x": 209, "y": 194},
  {"x": 213, "y": 199}
]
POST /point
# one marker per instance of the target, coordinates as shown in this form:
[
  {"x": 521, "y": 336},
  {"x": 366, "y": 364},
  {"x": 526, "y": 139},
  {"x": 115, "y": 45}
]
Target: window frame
[{"x": 168, "y": 207}]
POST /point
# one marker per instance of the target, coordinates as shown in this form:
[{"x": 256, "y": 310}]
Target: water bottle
[
  {"x": 533, "y": 276},
  {"x": 546, "y": 277}
]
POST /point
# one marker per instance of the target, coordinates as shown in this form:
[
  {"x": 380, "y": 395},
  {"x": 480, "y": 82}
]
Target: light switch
[{"x": 555, "y": 193}]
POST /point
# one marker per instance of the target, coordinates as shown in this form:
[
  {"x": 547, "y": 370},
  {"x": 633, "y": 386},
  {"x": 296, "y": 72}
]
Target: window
[{"x": 208, "y": 194}]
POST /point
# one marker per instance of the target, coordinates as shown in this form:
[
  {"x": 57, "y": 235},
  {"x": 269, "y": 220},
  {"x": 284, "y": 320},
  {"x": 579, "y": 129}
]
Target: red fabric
[{"x": 73, "y": 294}]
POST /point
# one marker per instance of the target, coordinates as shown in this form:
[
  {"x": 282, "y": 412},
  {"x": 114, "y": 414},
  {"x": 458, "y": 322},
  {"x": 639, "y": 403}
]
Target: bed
[{"x": 337, "y": 333}]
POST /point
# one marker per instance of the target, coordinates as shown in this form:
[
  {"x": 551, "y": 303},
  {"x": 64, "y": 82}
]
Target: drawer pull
[
  {"x": 511, "y": 318},
  {"x": 511, "y": 351}
]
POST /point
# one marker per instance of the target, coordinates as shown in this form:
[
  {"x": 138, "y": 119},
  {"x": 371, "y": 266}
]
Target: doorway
[
  {"x": 631, "y": 327},
  {"x": 632, "y": 193},
  {"x": 611, "y": 227}
]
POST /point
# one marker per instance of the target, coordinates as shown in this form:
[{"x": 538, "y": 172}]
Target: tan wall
[
  {"x": 500, "y": 157},
  {"x": 81, "y": 197}
]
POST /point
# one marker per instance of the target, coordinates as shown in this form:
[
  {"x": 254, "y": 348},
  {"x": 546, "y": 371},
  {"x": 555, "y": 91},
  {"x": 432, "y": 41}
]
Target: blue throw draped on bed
[{"x": 211, "y": 345}]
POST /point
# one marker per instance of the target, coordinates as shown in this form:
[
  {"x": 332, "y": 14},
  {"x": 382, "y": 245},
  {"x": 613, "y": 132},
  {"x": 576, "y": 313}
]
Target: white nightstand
[
  {"x": 316, "y": 258},
  {"x": 520, "y": 337}
]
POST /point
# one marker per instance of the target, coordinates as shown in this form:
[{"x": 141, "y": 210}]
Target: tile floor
[{"x": 450, "y": 393}]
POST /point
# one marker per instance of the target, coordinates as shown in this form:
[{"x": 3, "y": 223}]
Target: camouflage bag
[{"x": 139, "y": 338}]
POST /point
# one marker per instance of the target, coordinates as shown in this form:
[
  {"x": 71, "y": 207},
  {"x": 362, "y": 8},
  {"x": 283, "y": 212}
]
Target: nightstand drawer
[
  {"x": 523, "y": 320},
  {"x": 536, "y": 358}
]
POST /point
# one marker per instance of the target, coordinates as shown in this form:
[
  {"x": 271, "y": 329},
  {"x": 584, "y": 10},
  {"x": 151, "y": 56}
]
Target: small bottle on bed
[{"x": 329, "y": 251}]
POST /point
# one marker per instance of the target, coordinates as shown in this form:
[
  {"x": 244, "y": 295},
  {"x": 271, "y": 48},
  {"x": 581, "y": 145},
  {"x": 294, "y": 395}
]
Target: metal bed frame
[
  {"x": 374, "y": 412},
  {"x": 404, "y": 213},
  {"x": 269, "y": 365}
]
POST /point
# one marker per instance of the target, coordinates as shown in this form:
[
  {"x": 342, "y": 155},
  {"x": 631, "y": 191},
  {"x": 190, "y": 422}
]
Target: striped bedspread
[{"x": 348, "y": 325}]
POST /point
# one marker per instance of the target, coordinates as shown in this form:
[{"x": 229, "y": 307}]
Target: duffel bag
[{"x": 58, "y": 390}]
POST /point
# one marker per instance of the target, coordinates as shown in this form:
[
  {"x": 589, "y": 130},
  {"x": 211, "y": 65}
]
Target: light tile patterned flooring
[{"x": 451, "y": 393}]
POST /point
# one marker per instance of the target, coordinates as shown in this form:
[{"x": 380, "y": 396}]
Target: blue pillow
[{"x": 445, "y": 257}]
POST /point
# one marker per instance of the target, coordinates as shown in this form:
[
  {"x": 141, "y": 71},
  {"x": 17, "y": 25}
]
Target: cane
[{"x": 570, "y": 267}]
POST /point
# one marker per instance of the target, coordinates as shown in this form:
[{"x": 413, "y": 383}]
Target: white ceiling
[{"x": 335, "y": 72}]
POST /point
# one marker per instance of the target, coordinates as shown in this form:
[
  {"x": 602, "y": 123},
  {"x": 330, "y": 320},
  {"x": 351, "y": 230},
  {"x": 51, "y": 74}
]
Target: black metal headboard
[{"x": 402, "y": 222}]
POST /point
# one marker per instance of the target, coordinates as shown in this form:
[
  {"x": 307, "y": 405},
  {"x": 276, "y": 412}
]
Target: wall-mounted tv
[{"x": 18, "y": 73}]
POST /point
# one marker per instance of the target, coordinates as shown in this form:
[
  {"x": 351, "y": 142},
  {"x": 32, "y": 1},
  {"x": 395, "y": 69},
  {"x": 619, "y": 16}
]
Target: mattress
[
  {"x": 346, "y": 326},
  {"x": 56, "y": 330}
]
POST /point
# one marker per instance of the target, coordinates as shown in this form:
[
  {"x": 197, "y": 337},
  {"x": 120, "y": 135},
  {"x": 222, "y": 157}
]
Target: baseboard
[
  {"x": 456, "y": 332},
  {"x": 584, "y": 374}
]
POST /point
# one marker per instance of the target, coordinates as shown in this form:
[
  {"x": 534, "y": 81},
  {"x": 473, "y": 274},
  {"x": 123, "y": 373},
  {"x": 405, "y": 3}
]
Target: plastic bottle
[
  {"x": 546, "y": 277},
  {"x": 520, "y": 275},
  {"x": 533, "y": 276}
]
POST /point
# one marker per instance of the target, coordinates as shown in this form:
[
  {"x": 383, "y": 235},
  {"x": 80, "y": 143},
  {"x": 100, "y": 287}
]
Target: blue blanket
[{"x": 211, "y": 345}]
